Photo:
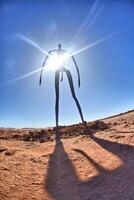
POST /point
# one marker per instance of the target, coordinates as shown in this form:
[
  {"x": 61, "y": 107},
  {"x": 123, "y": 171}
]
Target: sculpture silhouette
[{"x": 59, "y": 72}]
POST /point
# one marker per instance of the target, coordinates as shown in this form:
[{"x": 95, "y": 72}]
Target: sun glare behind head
[{"x": 57, "y": 61}]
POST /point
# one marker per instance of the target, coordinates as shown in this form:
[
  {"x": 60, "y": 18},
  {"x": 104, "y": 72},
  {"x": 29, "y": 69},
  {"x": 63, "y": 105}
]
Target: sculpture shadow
[{"x": 62, "y": 182}]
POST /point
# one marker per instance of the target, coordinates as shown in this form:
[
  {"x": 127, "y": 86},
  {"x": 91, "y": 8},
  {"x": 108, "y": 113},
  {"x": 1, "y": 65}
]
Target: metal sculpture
[{"x": 59, "y": 71}]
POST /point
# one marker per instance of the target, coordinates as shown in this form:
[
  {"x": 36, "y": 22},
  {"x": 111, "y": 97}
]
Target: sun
[{"x": 56, "y": 61}]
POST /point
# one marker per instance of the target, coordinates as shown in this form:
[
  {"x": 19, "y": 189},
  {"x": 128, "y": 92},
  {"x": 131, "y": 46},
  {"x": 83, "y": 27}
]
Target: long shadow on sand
[{"x": 63, "y": 183}]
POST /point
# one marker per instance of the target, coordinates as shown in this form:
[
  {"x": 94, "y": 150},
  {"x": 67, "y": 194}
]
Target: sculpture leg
[
  {"x": 57, "y": 75},
  {"x": 69, "y": 76}
]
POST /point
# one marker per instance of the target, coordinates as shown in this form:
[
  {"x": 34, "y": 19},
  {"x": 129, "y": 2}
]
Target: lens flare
[
  {"x": 97, "y": 42},
  {"x": 29, "y": 41},
  {"x": 23, "y": 76},
  {"x": 57, "y": 61}
]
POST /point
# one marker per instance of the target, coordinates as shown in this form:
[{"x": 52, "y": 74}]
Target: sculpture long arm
[
  {"x": 40, "y": 81},
  {"x": 77, "y": 70}
]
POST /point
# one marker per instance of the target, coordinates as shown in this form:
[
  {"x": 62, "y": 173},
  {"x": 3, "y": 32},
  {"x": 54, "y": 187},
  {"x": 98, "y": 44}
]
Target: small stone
[
  {"x": 10, "y": 152},
  {"x": 26, "y": 137},
  {"x": 2, "y": 149},
  {"x": 42, "y": 140}
]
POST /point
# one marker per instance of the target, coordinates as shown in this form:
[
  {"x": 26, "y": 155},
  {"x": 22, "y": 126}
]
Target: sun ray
[
  {"x": 84, "y": 24},
  {"x": 66, "y": 56},
  {"x": 89, "y": 21},
  {"x": 57, "y": 61},
  {"x": 23, "y": 76},
  {"x": 96, "y": 42},
  {"x": 27, "y": 40}
]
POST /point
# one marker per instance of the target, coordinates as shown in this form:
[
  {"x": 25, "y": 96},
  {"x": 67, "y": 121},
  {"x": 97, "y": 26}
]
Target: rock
[
  {"x": 45, "y": 138},
  {"x": 10, "y": 152},
  {"x": 43, "y": 132},
  {"x": 35, "y": 136},
  {"x": 125, "y": 125},
  {"x": 35, "y": 160},
  {"x": 26, "y": 137},
  {"x": 97, "y": 125},
  {"x": 2, "y": 149},
  {"x": 42, "y": 140}
]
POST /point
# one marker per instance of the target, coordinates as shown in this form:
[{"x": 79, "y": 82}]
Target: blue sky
[{"x": 107, "y": 68}]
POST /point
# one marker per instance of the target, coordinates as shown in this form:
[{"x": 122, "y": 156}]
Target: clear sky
[{"x": 106, "y": 68}]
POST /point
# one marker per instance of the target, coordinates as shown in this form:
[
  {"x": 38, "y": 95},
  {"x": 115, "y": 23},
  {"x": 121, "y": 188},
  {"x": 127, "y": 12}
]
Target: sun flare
[{"x": 57, "y": 61}]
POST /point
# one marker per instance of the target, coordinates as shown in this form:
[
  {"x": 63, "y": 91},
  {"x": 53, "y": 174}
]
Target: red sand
[{"x": 97, "y": 166}]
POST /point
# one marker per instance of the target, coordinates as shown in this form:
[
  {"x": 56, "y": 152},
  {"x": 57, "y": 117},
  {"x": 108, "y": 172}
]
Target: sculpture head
[{"x": 59, "y": 46}]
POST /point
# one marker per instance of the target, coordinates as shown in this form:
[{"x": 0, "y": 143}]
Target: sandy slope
[{"x": 97, "y": 166}]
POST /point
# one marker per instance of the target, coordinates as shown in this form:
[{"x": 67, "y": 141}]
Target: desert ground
[{"x": 92, "y": 163}]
